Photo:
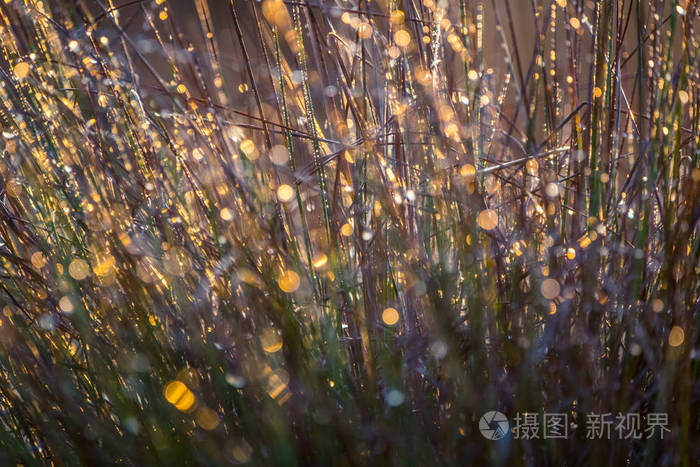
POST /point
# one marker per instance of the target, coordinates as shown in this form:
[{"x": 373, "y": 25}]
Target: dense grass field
[{"x": 339, "y": 232}]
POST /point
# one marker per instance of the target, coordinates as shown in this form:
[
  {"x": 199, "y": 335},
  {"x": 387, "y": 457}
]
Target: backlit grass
[{"x": 338, "y": 232}]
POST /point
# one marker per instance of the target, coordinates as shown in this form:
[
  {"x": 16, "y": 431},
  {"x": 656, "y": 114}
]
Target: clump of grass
[{"x": 339, "y": 232}]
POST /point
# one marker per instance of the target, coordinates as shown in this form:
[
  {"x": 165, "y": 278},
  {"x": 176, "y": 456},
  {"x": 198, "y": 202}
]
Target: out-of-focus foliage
[{"x": 337, "y": 232}]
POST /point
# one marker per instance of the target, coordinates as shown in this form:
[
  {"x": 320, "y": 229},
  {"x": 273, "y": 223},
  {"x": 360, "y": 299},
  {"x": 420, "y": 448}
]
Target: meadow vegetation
[{"x": 338, "y": 232}]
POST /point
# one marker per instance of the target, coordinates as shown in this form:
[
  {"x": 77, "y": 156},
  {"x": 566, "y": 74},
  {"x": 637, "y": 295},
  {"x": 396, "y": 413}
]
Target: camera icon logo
[{"x": 493, "y": 425}]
